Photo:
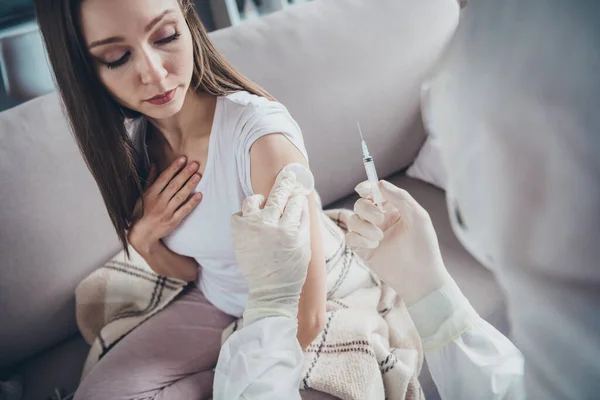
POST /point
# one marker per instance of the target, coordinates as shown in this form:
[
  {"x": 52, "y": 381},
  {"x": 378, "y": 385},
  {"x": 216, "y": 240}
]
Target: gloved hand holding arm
[
  {"x": 263, "y": 360},
  {"x": 272, "y": 245},
  {"x": 467, "y": 357}
]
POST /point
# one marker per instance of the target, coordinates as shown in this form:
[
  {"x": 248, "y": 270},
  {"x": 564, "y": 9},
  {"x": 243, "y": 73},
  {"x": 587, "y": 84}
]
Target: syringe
[{"x": 371, "y": 172}]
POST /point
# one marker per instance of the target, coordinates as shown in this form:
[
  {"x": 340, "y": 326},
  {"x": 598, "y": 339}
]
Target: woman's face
[{"x": 143, "y": 52}]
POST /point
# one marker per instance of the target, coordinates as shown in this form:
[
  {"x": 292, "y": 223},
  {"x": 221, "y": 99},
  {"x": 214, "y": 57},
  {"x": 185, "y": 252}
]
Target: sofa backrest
[
  {"x": 331, "y": 62},
  {"x": 336, "y": 62}
]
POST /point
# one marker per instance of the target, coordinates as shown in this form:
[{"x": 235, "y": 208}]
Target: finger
[
  {"x": 184, "y": 193},
  {"x": 253, "y": 204},
  {"x": 364, "y": 189},
  {"x": 282, "y": 190},
  {"x": 305, "y": 181},
  {"x": 166, "y": 176},
  {"x": 364, "y": 228},
  {"x": 187, "y": 207},
  {"x": 179, "y": 181},
  {"x": 395, "y": 195},
  {"x": 368, "y": 211},
  {"x": 279, "y": 196},
  {"x": 292, "y": 215},
  {"x": 355, "y": 241},
  {"x": 271, "y": 214},
  {"x": 407, "y": 206}
]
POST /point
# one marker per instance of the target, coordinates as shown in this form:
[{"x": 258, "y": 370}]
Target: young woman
[{"x": 161, "y": 117}]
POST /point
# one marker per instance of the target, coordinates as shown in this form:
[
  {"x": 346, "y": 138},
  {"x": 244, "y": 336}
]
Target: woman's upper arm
[{"x": 268, "y": 155}]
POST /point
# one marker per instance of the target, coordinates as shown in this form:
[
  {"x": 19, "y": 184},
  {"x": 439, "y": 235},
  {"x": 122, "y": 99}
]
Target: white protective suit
[
  {"x": 518, "y": 96},
  {"x": 517, "y": 100}
]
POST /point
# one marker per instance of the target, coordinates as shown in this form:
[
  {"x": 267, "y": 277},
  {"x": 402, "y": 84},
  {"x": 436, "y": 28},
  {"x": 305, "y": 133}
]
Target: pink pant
[{"x": 171, "y": 356}]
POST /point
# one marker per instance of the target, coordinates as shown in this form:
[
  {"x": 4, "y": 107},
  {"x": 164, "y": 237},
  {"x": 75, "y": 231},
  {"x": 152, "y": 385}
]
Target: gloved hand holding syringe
[{"x": 371, "y": 172}]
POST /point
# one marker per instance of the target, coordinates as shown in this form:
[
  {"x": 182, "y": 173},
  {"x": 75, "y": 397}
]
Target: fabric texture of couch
[{"x": 331, "y": 62}]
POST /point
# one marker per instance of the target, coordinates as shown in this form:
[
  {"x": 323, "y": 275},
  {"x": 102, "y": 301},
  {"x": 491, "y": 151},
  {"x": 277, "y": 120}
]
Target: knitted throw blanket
[{"x": 369, "y": 348}]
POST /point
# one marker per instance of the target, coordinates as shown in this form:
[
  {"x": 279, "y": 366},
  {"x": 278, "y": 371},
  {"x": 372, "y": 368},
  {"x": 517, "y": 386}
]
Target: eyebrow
[{"x": 118, "y": 39}]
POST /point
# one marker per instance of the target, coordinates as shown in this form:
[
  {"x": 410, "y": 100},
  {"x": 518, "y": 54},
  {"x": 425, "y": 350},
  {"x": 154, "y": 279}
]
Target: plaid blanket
[{"x": 369, "y": 348}]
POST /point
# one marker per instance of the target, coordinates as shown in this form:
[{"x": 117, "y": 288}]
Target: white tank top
[{"x": 240, "y": 119}]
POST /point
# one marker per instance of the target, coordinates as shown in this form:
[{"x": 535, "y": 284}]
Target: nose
[{"x": 151, "y": 67}]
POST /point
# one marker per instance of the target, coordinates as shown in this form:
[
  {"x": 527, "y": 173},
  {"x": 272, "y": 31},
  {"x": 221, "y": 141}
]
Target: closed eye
[
  {"x": 119, "y": 62},
  {"x": 123, "y": 60},
  {"x": 169, "y": 39}
]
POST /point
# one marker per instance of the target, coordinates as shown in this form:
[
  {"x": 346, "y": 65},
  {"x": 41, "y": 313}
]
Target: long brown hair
[{"x": 98, "y": 121}]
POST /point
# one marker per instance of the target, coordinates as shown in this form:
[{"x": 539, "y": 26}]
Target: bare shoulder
[{"x": 268, "y": 155}]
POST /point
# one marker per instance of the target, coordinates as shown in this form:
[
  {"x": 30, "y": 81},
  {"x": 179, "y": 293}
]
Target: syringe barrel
[
  {"x": 370, "y": 168},
  {"x": 372, "y": 177}
]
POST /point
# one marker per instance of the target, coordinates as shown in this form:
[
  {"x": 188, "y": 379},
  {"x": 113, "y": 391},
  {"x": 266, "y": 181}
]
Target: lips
[{"x": 163, "y": 98}]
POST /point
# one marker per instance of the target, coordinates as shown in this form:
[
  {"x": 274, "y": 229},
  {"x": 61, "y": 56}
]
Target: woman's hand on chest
[{"x": 166, "y": 201}]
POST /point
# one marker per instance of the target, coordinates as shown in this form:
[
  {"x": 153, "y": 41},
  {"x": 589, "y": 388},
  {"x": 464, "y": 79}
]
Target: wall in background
[
  {"x": 24, "y": 68},
  {"x": 206, "y": 15},
  {"x": 5, "y": 101}
]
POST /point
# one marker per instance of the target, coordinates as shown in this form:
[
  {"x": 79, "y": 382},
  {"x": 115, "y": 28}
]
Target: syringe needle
[{"x": 359, "y": 131}]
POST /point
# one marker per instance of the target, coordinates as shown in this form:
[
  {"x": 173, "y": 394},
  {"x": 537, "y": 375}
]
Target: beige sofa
[{"x": 331, "y": 62}]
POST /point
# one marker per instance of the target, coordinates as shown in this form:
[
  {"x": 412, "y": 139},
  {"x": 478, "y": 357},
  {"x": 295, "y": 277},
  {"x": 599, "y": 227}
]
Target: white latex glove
[
  {"x": 272, "y": 245},
  {"x": 400, "y": 244}
]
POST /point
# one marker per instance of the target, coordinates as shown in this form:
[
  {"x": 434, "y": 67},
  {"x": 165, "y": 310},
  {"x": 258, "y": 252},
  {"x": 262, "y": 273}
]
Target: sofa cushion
[
  {"x": 333, "y": 62},
  {"x": 56, "y": 368},
  {"x": 54, "y": 228}
]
